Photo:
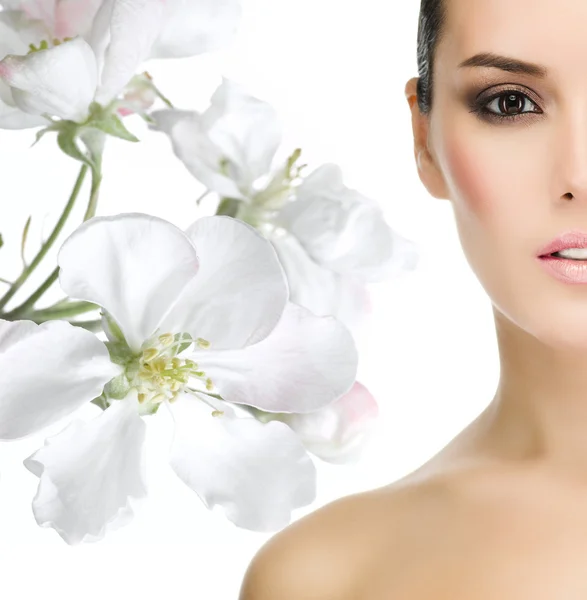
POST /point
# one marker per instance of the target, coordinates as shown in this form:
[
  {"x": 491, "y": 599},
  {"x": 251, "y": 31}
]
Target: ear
[{"x": 428, "y": 171}]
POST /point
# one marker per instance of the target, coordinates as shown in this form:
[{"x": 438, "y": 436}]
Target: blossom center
[
  {"x": 158, "y": 372},
  {"x": 162, "y": 374},
  {"x": 44, "y": 44}
]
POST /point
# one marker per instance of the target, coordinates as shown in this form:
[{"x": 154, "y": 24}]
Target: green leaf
[
  {"x": 118, "y": 387},
  {"x": 101, "y": 402},
  {"x": 184, "y": 341},
  {"x": 228, "y": 207},
  {"x": 1, "y": 241},
  {"x": 119, "y": 352},
  {"x": 111, "y": 328},
  {"x": 112, "y": 125},
  {"x": 66, "y": 141},
  {"x": 42, "y": 132},
  {"x": 25, "y": 233}
]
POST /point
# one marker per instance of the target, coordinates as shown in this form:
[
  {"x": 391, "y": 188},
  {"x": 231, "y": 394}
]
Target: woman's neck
[{"x": 539, "y": 412}]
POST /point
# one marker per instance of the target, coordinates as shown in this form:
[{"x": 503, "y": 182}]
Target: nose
[{"x": 571, "y": 163}]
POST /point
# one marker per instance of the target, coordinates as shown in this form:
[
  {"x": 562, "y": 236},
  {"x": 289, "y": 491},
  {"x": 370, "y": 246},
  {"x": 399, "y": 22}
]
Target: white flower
[
  {"x": 338, "y": 432},
  {"x": 62, "y": 78},
  {"x": 230, "y": 145},
  {"x": 46, "y": 372},
  {"x": 188, "y": 27},
  {"x": 344, "y": 231},
  {"x": 331, "y": 240},
  {"x": 61, "y": 18},
  {"x": 16, "y": 33},
  {"x": 188, "y": 315}
]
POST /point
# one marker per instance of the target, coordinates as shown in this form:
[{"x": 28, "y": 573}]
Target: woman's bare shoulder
[{"x": 327, "y": 554}]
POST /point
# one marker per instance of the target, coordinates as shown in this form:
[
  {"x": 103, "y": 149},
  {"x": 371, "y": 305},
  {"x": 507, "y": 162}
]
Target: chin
[{"x": 555, "y": 325}]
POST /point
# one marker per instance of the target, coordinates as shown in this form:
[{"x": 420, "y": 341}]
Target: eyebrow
[{"x": 505, "y": 63}]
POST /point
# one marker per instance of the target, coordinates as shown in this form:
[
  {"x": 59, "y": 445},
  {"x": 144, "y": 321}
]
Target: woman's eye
[{"x": 509, "y": 104}]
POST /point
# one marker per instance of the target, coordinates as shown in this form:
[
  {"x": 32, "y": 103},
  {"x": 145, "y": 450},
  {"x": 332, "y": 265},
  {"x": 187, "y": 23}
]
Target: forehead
[{"x": 549, "y": 32}]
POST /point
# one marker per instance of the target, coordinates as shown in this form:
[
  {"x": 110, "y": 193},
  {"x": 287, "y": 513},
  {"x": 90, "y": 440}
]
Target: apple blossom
[
  {"x": 87, "y": 52},
  {"x": 200, "y": 322},
  {"x": 230, "y": 145},
  {"x": 336, "y": 433},
  {"x": 331, "y": 239}
]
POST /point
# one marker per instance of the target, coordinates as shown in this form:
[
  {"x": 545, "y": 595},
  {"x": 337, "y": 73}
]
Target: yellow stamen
[
  {"x": 202, "y": 343},
  {"x": 150, "y": 354}
]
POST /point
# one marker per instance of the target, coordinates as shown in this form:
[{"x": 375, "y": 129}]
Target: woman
[{"x": 499, "y": 116}]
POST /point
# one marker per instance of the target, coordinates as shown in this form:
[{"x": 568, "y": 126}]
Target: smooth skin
[{"x": 501, "y": 511}]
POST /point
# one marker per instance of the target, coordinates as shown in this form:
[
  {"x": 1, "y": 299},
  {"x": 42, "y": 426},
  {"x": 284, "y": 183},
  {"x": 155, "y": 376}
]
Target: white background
[{"x": 335, "y": 70}]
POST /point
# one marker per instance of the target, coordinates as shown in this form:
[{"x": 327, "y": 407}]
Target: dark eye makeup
[{"x": 512, "y": 97}]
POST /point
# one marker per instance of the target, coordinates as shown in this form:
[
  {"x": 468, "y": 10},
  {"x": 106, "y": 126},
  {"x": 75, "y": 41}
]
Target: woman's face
[{"x": 514, "y": 182}]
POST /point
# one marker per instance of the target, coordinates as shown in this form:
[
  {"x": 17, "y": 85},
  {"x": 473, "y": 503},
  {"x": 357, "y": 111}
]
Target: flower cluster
[{"x": 238, "y": 326}]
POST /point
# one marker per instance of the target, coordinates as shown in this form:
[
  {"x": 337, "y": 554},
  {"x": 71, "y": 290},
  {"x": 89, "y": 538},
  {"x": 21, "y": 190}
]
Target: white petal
[
  {"x": 91, "y": 474},
  {"x": 338, "y": 432},
  {"x": 319, "y": 289},
  {"x": 345, "y": 231},
  {"x": 60, "y": 81},
  {"x": 258, "y": 473},
  {"x": 240, "y": 291},
  {"x": 305, "y": 363},
  {"x": 133, "y": 265},
  {"x": 46, "y": 372},
  {"x": 12, "y": 117},
  {"x": 192, "y": 145},
  {"x": 195, "y": 26},
  {"x": 248, "y": 131},
  {"x": 74, "y": 17},
  {"x": 17, "y": 31},
  {"x": 122, "y": 37},
  {"x": 43, "y": 10}
]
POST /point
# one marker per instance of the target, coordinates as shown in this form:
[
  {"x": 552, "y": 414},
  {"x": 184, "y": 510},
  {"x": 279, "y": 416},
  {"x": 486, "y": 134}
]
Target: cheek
[
  {"x": 485, "y": 195},
  {"x": 489, "y": 189},
  {"x": 475, "y": 176}
]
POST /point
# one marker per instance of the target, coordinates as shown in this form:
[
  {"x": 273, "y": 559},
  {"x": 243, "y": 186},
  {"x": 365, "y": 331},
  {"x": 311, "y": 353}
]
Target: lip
[{"x": 569, "y": 239}]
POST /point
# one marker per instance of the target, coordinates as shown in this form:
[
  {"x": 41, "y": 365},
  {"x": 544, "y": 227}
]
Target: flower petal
[
  {"x": 305, "y": 363},
  {"x": 230, "y": 145},
  {"x": 122, "y": 36},
  {"x": 16, "y": 32},
  {"x": 73, "y": 17},
  {"x": 319, "y": 289},
  {"x": 247, "y": 129},
  {"x": 345, "y": 231},
  {"x": 134, "y": 265},
  {"x": 46, "y": 372},
  {"x": 338, "y": 432},
  {"x": 12, "y": 117},
  {"x": 42, "y": 10},
  {"x": 90, "y": 474},
  {"x": 60, "y": 81},
  {"x": 240, "y": 291},
  {"x": 192, "y": 145},
  {"x": 258, "y": 473},
  {"x": 195, "y": 26}
]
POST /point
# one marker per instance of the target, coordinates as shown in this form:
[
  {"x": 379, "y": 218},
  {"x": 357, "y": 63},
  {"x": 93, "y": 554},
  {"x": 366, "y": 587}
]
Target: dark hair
[{"x": 430, "y": 28}]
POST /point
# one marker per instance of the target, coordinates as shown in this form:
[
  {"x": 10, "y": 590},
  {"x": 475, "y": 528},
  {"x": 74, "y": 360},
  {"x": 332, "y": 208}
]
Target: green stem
[
  {"x": 93, "y": 326},
  {"x": 95, "y": 190},
  {"x": 24, "y": 309},
  {"x": 48, "y": 243},
  {"x": 47, "y": 314},
  {"x": 202, "y": 197}
]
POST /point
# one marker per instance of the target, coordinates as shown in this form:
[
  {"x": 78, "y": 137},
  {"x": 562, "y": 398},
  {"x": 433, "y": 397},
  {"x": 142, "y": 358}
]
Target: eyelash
[{"x": 480, "y": 107}]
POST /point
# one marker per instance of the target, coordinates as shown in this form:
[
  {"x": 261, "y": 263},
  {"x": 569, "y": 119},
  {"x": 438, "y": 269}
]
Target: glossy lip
[{"x": 569, "y": 239}]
